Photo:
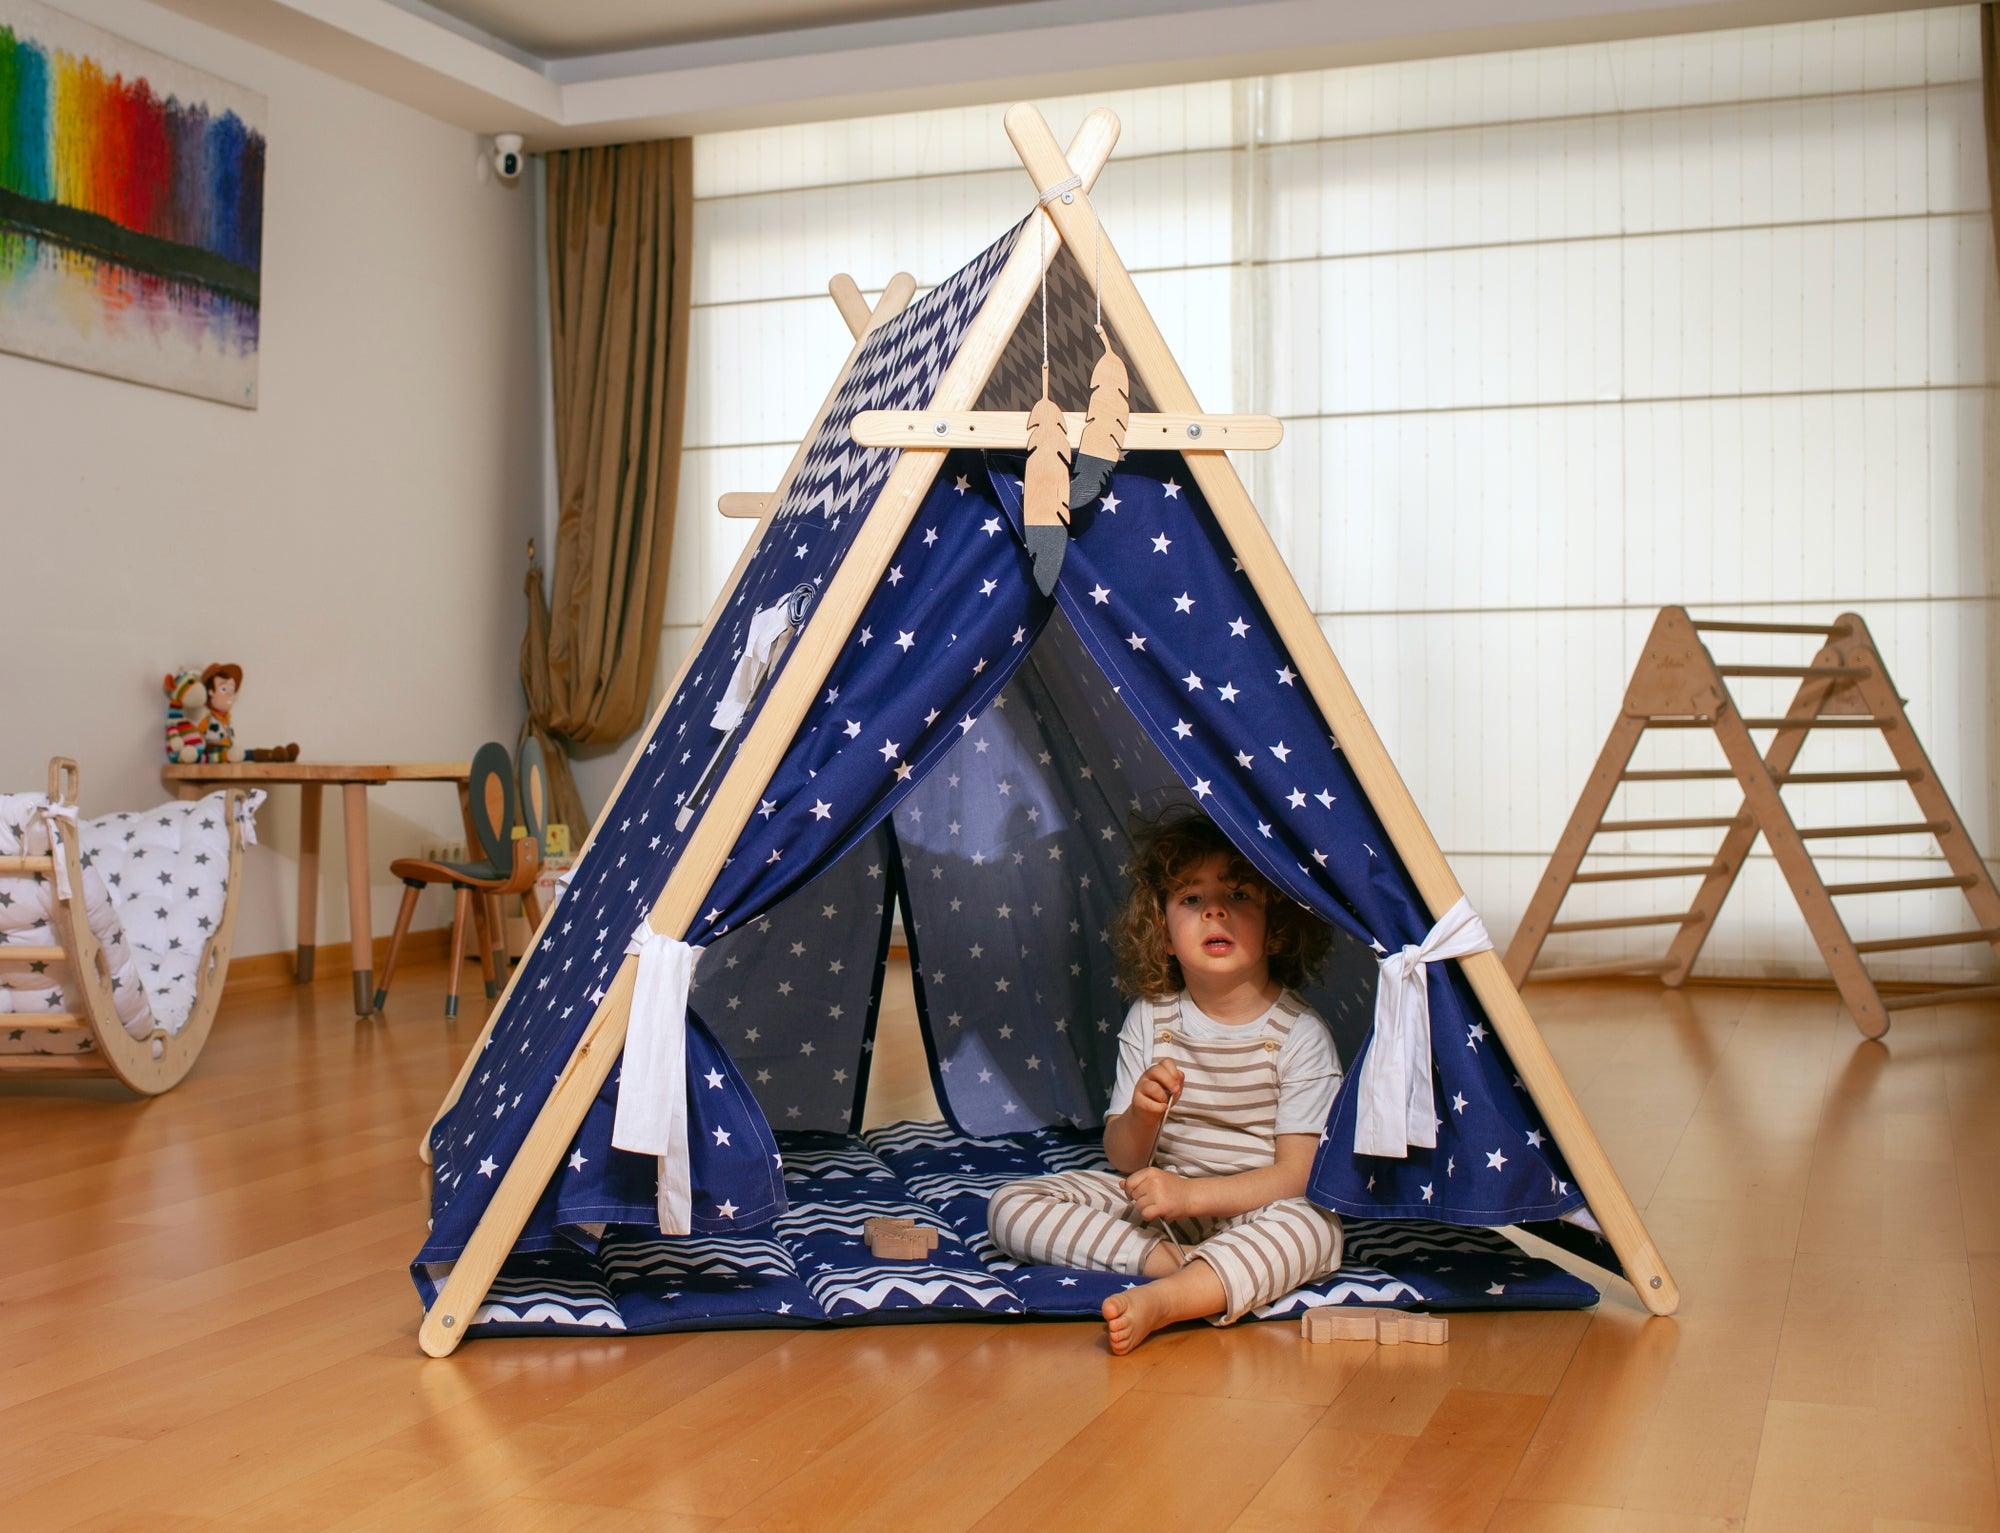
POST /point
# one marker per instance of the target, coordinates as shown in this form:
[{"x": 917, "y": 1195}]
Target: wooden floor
[{"x": 205, "y": 1322}]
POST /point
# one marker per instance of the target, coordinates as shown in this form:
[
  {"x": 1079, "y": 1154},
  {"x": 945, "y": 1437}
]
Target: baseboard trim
[{"x": 334, "y": 960}]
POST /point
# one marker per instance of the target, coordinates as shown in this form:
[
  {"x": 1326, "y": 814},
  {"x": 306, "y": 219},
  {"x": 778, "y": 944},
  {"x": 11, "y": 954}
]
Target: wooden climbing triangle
[{"x": 1679, "y": 685}]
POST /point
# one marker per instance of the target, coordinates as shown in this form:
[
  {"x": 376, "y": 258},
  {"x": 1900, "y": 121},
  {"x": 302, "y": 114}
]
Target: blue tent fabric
[
  {"x": 635, "y": 846},
  {"x": 975, "y": 754},
  {"x": 1014, "y": 852},
  {"x": 812, "y": 1267},
  {"x": 1163, "y": 607}
]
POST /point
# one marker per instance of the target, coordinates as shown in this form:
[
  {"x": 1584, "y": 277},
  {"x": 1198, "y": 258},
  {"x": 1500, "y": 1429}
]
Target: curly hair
[{"x": 1164, "y": 852}]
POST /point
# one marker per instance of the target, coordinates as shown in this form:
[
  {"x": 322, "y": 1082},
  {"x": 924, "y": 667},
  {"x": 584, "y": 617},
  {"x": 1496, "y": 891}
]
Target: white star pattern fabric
[{"x": 154, "y": 885}]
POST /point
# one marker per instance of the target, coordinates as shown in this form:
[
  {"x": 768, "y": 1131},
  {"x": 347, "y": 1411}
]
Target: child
[{"x": 1225, "y": 1077}]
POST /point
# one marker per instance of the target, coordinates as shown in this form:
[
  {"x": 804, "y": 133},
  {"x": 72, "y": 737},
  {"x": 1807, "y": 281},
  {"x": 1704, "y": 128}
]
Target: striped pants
[{"x": 1084, "y": 1219}]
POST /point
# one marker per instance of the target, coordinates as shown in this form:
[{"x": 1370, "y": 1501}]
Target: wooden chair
[
  {"x": 508, "y": 866},
  {"x": 534, "y": 775}
]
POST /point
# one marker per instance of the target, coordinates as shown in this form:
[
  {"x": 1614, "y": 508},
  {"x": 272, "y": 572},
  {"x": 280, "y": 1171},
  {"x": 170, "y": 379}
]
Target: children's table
[{"x": 354, "y": 779}]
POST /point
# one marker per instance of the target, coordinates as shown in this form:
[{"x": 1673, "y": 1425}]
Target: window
[{"x": 1558, "y": 336}]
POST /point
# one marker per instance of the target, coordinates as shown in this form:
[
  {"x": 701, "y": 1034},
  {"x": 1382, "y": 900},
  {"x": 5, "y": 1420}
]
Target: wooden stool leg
[
  {"x": 411, "y": 890},
  {"x": 533, "y": 906},
  {"x": 461, "y": 909},
  {"x": 483, "y": 930}
]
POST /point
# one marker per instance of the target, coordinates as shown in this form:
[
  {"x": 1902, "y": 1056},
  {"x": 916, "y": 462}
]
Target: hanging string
[
  {"x": 1042, "y": 233},
  {"x": 1097, "y": 273}
]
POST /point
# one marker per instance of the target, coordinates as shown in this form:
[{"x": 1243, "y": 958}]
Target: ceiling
[
  {"x": 576, "y": 28},
  {"x": 567, "y": 72}
]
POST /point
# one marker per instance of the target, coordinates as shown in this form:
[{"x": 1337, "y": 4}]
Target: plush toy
[
  {"x": 218, "y": 735},
  {"x": 187, "y": 702},
  {"x": 222, "y": 681}
]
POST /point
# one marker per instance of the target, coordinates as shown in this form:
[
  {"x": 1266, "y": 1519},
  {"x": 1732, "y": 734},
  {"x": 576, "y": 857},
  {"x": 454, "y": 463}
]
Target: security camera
[{"x": 507, "y": 156}]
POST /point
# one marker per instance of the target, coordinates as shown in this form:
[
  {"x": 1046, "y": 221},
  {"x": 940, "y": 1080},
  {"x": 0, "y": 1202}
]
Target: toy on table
[
  {"x": 902, "y": 1240},
  {"x": 1390, "y": 1327},
  {"x": 199, "y": 727},
  {"x": 187, "y": 702}
]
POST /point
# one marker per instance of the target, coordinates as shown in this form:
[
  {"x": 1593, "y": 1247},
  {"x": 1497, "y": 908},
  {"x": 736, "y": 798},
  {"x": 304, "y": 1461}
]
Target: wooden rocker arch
[{"x": 147, "y": 1065}]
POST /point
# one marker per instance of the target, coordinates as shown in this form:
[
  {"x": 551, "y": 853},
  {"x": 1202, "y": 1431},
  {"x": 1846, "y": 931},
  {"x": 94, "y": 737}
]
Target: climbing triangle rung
[
  {"x": 1677, "y": 774},
  {"x": 1903, "y": 828},
  {"x": 1829, "y": 672},
  {"x": 44, "y": 1021},
  {"x": 1824, "y": 721},
  {"x": 1617, "y": 827},
  {"x": 1883, "y": 776},
  {"x": 1737, "y": 625},
  {"x": 1619, "y": 923},
  {"x": 22, "y": 953},
  {"x": 1803, "y": 721},
  {"x": 1627, "y": 966},
  {"x": 1902, "y": 885},
  {"x": 1620, "y": 875},
  {"x": 1937, "y": 939}
]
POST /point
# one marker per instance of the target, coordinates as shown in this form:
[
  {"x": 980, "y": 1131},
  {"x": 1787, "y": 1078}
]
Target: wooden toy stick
[{"x": 1166, "y": 1225}]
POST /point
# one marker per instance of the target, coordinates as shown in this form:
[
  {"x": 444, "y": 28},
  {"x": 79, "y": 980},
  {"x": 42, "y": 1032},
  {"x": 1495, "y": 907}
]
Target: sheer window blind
[{"x": 1558, "y": 336}]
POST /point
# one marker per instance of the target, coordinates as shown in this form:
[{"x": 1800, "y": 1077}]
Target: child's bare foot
[{"x": 1130, "y": 1317}]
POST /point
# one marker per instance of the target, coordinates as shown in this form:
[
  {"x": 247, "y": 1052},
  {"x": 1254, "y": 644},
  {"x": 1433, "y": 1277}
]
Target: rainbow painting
[{"x": 131, "y": 210}]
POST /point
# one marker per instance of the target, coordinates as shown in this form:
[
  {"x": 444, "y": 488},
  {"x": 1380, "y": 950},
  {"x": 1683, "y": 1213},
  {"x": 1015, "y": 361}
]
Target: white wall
[
  {"x": 355, "y": 543},
  {"x": 1559, "y": 336}
]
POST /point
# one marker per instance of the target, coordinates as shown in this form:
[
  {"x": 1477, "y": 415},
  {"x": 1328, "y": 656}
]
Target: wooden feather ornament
[
  {"x": 1104, "y": 428},
  {"x": 1045, "y": 490}
]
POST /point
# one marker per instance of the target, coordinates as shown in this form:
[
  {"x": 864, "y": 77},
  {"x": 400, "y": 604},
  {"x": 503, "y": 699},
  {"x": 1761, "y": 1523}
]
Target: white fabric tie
[
  {"x": 652, "y": 1115},
  {"x": 767, "y": 627},
  {"x": 1394, "y": 1108},
  {"x": 55, "y": 814},
  {"x": 246, "y": 814}
]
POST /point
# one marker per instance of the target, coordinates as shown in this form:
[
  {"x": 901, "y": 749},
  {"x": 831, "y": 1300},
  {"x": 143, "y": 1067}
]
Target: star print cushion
[
  {"x": 1399, "y": 1263},
  {"x": 812, "y": 1266},
  {"x": 27, "y": 904},
  {"x": 167, "y": 870}
]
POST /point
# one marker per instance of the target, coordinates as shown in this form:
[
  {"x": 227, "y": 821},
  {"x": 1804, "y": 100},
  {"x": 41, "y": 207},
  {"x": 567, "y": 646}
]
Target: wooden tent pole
[
  {"x": 735, "y": 799},
  {"x": 1147, "y": 353},
  {"x": 853, "y": 307},
  {"x": 895, "y": 297}
]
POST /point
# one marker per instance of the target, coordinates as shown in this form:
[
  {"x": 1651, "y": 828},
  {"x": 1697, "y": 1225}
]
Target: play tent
[{"x": 657, "y": 1127}]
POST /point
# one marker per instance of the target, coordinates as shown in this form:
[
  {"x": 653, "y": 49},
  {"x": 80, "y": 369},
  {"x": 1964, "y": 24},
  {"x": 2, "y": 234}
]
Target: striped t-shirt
[{"x": 1308, "y": 1067}]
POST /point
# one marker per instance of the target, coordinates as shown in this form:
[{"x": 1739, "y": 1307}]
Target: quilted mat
[{"x": 811, "y": 1267}]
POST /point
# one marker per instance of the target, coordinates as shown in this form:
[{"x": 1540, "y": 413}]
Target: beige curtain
[
  {"x": 1989, "y": 73},
  {"x": 620, "y": 233}
]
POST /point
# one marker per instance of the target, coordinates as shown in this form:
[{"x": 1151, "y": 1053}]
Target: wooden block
[
  {"x": 1425, "y": 1330},
  {"x": 1331, "y": 1322},
  {"x": 898, "y": 1239},
  {"x": 1387, "y": 1328}
]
